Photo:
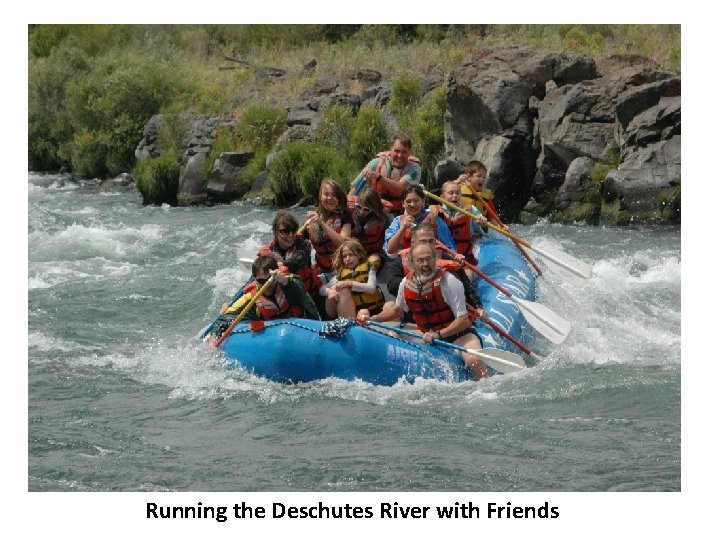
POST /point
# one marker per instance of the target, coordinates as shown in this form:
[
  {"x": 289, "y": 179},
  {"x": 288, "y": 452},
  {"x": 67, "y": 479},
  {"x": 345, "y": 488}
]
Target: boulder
[{"x": 226, "y": 182}]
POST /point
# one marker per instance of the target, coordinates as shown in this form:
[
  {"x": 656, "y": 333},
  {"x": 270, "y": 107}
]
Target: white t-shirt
[{"x": 453, "y": 293}]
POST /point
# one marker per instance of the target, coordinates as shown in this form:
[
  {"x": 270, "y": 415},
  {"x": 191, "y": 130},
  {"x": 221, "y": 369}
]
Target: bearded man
[{"x": 436, "y": 300}]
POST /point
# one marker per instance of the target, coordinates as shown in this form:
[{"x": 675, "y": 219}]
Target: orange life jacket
[
  {"x": 275, "y": 307},
  {"x": 384, "y": 168},
  {"x": 460, "y": 226},
  {"x": 324, "y": 247},
  {"x": 371, "y": 234},
  {"x": 426, "y": 303}
]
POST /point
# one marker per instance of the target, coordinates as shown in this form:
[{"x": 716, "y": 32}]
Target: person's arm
[
  {"x": 370, "y": 286},
  {"x": 323, "y": 291},
  {"x": 292, "y": 287},
  {"x": 405, "y": 223}
]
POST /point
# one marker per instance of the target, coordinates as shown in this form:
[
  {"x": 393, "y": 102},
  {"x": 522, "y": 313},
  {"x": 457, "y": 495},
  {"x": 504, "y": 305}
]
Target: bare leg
[
  {"x": 346, "y": 304},
  {"x": 473, "y": 363},
  {"x": 331, "y": 307}
]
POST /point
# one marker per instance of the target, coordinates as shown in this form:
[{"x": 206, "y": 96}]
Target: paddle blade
[
  {"x": 544, "y": 320},
  {"x": 565, "y": 262},
  {"x": 499, "y": 360}
]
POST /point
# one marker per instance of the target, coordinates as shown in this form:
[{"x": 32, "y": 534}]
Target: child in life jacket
[
  {"x": 473, "y": 191},
  {"x": 354, "y": 285},
  {"x": 330, "y": 224},
  {"x": 285, "y": 297},
  {"x": 464, "y": 229},
  {"x": 370, "y": 219}
]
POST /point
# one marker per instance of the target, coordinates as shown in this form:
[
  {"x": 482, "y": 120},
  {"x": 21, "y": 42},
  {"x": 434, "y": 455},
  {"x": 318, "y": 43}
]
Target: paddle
[
  {"x": 494, "y": 215},
  {"x": 511, "y": 339},
  {"x": 499, "y": 360},
  {"x": 543, "y": 319},
  {"x": 244, "y": 311},
  {"x": 563, "y": 260}
]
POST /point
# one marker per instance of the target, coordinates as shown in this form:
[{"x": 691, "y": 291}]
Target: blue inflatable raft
[{"x": 301, "y": 350}]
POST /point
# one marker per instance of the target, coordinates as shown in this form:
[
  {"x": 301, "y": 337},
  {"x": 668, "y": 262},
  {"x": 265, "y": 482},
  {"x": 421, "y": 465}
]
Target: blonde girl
[{"x": 354, "y": 285}]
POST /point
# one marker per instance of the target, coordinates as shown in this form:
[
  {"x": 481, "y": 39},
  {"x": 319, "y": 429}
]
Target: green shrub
[
  {"x": 261, "y": 126},
  {"x": 427, "y": 130},
  {"x": 369, "y": 136},
  {"x": 88, "y": 155},
  {"x": 335, "y": 127},
  {"x": 115, "y": 100},
  {"x": 50, "y": 129},
  {"x": 298, "y": 169},
  {"x": 157, "y": 179},
  {"x": 406, "y": 95}
]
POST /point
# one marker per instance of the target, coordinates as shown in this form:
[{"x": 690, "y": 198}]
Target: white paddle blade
[
  {"x": 544, "y": 320},
  {"x": 245, "y": 260},
  {"x": 499, "y": 360},
  {"x": 565, "y": 261}
]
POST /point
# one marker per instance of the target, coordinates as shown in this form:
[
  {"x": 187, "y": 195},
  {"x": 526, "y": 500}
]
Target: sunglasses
[
  {"x": 287, "y": 231},
  {"x": 361, "y": 207}
]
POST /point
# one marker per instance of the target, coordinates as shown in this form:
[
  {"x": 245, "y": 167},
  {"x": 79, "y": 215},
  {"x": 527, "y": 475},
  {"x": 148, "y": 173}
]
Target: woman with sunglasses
[
  {"x": 330, "y": 224},
  {"x": 291, "y": 250},
  {"x": 370, "y": 219}
]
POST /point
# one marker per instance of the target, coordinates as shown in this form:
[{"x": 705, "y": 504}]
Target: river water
[{"x": 121, "y": 398}]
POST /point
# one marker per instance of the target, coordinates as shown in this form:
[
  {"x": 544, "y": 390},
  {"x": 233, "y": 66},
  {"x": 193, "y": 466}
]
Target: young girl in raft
[
  {"x": 370, "y": 219},
  {"x": 354, "y": 285},
  {"x": 330, "y": 224},
  {"x": 464, "y": 229}
]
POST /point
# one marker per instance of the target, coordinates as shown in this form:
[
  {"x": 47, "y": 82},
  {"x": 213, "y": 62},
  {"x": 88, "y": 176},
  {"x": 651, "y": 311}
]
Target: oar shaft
[
  {"x": 479, "y": 272},
  {"x": 244, "y": 311}
]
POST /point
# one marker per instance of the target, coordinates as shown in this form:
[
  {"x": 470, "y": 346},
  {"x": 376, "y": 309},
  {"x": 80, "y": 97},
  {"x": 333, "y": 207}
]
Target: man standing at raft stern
[
  {"x": 437, "y": 302},
  {"x": 390, "y": 173}
]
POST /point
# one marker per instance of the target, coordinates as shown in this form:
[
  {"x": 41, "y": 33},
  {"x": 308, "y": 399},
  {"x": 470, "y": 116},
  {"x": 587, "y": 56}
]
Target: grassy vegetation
[{"x": 92, "y": 88}]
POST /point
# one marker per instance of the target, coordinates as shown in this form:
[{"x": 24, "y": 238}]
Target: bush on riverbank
[
  {"x": 157, "y": 179},
  {"x": 91, "y": 88}
]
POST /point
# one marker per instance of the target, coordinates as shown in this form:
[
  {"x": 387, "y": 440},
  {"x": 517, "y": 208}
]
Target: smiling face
[
  {"x": 328, "y": 199},
  {"x": 349, "y": 258},
  {"x": 399, "y": 154},
  {"x": 413, "y": 204},
  {"x": 285, "y": 237}
]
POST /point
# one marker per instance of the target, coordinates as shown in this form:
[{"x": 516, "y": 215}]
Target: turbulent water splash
[{"x": 117, "y": 290}]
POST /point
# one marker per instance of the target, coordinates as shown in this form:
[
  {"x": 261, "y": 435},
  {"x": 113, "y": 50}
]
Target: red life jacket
[
  {"x": 324, "y": 247},
  {"x": 275, "y": 307},
  {"x": 426, "y": 303},
  {"x": 309, "y": 278},
  {"x": 371, "y": 234},
  {"x": 384, "y": 168},
  {"x": 460, "y": 226}
]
